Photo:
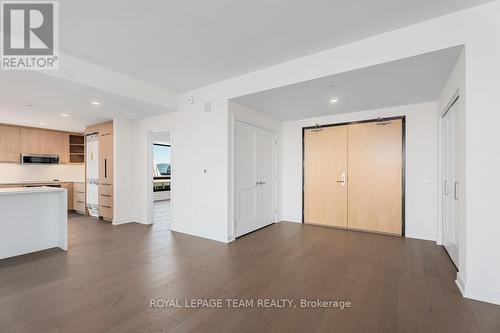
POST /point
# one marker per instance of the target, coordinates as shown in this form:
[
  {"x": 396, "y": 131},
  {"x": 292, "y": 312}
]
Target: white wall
[
  {"x": 199, "y": 198},
  {"x": 202, "y": 139},
  {"x": 421, "y": 164},
  {"x": 12, "y": 173},
  {"x": 123, "y": 160}
]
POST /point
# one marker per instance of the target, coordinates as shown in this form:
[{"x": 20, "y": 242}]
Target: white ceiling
[
  {"x": 408, "y": 81},
  {"x": 50, "y": 97},
  {"x": 181, "y": 45}
]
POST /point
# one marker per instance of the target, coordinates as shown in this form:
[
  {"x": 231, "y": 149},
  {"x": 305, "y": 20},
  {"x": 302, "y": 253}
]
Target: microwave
[{"x": 39, "y": 159}]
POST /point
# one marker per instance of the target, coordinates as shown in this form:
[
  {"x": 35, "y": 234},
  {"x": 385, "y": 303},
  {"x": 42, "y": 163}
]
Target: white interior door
[
  {"x": 450, "y": 238},
  {"x": 255, "y": 178}
]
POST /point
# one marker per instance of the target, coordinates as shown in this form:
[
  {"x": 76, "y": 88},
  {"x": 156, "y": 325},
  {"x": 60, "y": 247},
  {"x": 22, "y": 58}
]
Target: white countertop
[
  {"x": 29, "y": 190},
  {"x": 14, "y": 182}
]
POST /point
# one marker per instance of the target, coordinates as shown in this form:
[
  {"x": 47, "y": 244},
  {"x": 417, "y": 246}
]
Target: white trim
[
  {"x": 483, "y": 294},
  {"x": 202, "y": 233},
  {"x": 450, "y": 103},
  {"x": 477, "y": 293},
  {"x": 460, "y": 283},
  {"x": 123, "y": 220}
]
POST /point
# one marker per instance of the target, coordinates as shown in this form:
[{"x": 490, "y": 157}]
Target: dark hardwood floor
[
  {"x": 105, "y": 282},
  {"x": 161, "y": 214}
]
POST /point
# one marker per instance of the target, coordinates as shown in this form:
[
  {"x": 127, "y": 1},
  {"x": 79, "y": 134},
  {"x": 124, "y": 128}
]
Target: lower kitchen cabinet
[{"x": 79, "y": 198}]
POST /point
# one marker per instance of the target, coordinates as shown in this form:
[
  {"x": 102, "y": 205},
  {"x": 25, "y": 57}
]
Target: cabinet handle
[
  {"x": 456, "y": 190},
  {"x": 105, "y": 195},
  {"x": 105, "y": 168},
  {"x": 105, "y": 206}
]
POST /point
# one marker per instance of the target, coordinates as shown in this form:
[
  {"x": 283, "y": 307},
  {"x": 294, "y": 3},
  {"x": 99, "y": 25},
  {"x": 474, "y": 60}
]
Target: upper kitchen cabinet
[
  {"x": 101, "y": 129},
  {"x": 106, "y": 128},
  {"x": 10, "y": 144},
  {"x": 16, "y": 140},
  {"x": 31, "y": 140},
  {"x": 55, "y": 143}
]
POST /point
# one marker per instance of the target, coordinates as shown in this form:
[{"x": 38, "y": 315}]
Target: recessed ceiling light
[
  {"x": 334, "y": 100},
  {"x": 42, "y": 123},
  {"x": 64, "y": 115},
  {"x": 30, "y": 105},
  {"x": 96, "y": 103}
]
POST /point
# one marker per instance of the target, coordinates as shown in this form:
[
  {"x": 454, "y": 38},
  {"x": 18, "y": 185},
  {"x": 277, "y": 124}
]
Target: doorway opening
[{"x": 160, "y": 177}]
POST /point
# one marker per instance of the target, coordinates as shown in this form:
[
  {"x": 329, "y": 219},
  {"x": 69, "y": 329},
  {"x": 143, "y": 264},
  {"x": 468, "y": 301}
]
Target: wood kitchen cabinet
[
  {"x": 55, "y": 143},
  {"x": 106, "y": 176},
  {"x": 69, "y": 188},
  {"x": 16, "y": 140},
  {"x": 79, "y": 198},
  {"x": 10, "y": 144},
  {"x": 106, "y": 197},
  {"x": 31, "y": 140},
  {"x": 63, "y": 143},
  {"x": 106, "y": 159}
]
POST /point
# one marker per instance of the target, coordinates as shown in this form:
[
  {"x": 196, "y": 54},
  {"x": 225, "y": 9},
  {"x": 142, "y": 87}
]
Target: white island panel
[{"x": 32, "y": 219}]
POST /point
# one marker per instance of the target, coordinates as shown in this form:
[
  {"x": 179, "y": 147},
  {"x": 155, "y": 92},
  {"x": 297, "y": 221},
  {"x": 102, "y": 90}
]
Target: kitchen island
[{"x": 32, "y": 219}]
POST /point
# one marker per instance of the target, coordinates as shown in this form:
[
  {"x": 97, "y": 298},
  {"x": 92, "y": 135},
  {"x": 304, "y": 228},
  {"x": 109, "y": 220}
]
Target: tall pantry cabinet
[{"x": 105, "y": 132}]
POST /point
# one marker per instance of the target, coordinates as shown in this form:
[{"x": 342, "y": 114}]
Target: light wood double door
[{"x": 353, "y": 176}]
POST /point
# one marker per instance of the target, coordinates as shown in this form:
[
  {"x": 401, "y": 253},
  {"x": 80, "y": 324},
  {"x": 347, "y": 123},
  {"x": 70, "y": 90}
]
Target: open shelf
[{"x": 76, "y": 149}]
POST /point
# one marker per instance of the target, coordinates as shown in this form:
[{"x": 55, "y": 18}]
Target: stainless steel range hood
[{"x": 39, "y": 159}]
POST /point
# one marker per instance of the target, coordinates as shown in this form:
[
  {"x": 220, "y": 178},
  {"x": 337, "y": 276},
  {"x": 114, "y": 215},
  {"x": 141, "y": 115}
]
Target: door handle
[
  {"x": 456, "y": 190},
  {"x": 343, "y": 179}
]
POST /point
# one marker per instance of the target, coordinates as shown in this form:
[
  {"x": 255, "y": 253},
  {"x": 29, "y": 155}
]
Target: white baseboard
[
  {"x": 122, "y": 221},
  {"x": 142, "y": 221},
  {"x": 129, "y": 220},
  {"x": 477, "y": 293},
  {"x": 460, "y": 283},
  {"x": 482, "y": 294},
  {"x": 201, "y": 233}
]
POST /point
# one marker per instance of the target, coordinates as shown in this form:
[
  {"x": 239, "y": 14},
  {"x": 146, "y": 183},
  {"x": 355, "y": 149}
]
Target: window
[
  {"x": 161, "y": 167},
  {"x": 161, "y": 160}
]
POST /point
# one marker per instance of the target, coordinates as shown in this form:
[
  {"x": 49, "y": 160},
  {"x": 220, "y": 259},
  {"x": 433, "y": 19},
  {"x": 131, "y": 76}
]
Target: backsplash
[{"x": 11, "y": 173}]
